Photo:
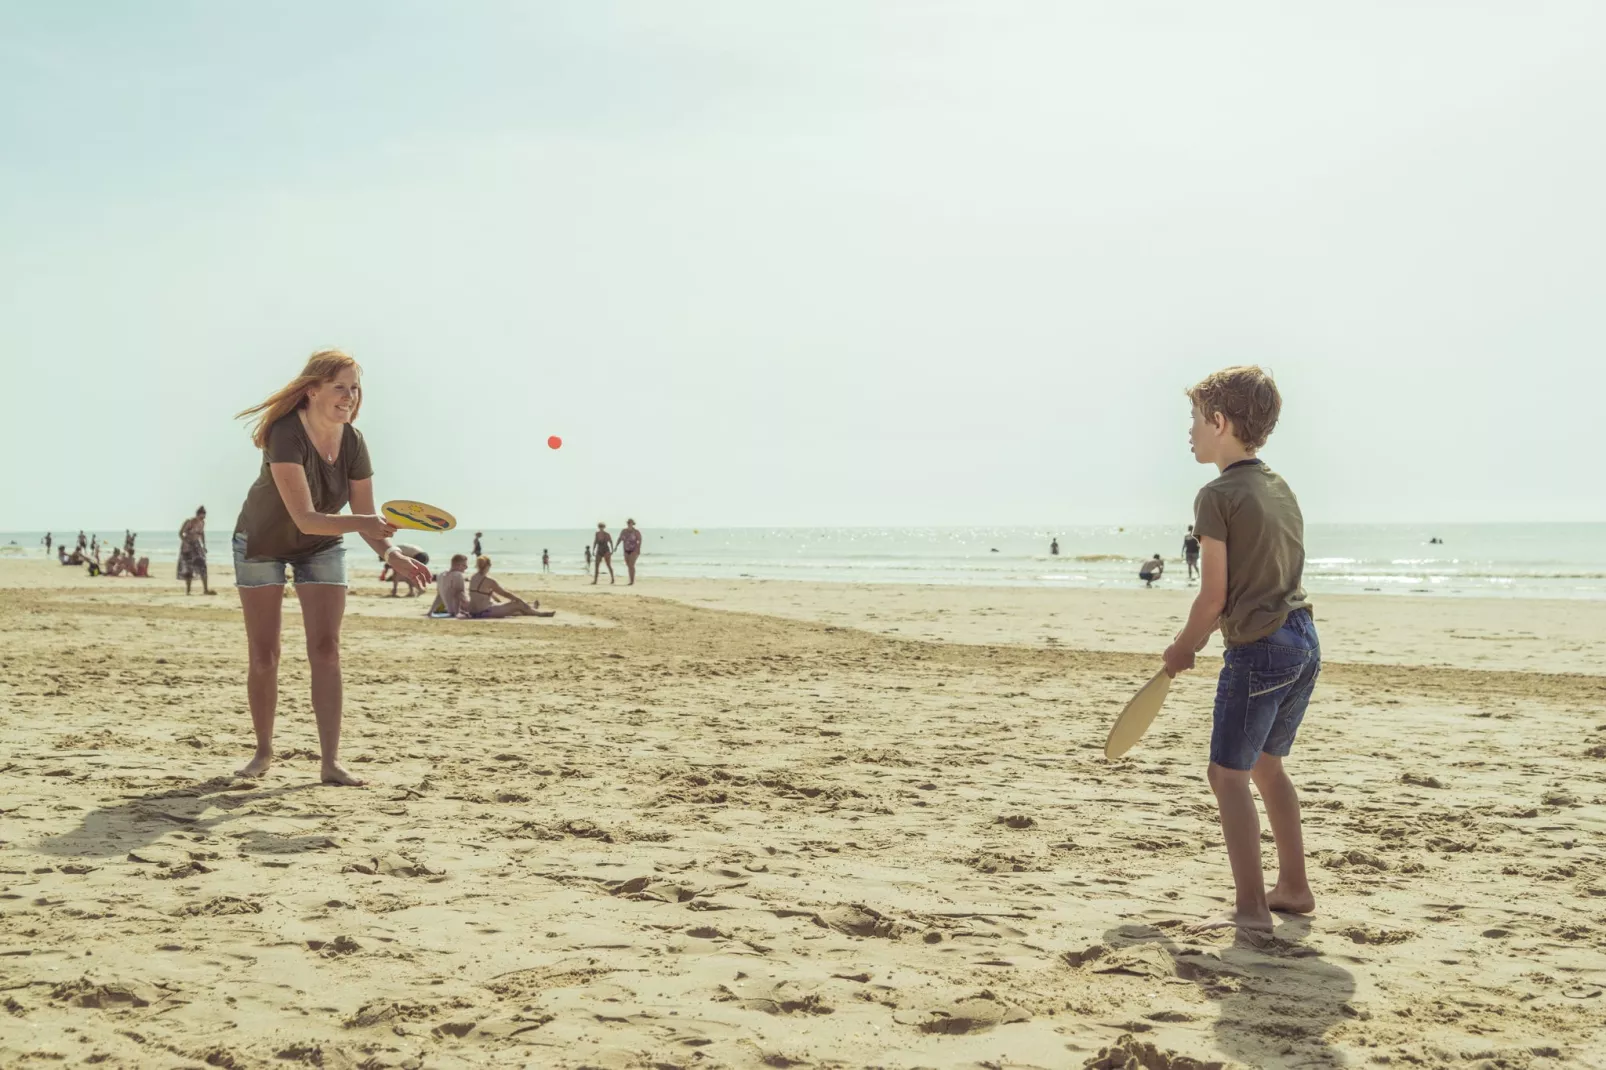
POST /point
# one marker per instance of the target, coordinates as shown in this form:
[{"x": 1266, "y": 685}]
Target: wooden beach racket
[
  {"x": 417, "y": 515},
  {"x": 1138, "y": 716}
]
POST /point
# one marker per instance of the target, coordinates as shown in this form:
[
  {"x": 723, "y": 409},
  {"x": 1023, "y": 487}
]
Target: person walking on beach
[
  {"x": 1054, "y": 548},
  {"x": 192, "y": 551},
  {"x": 546, "y": 560},
  {"x": 314, "y": 462},
  {"x": 630, "y": 543},
  {"x": 1190, "y": 551},
  {"x": 588, "y": 559},
  {"x": 128, "y": 542},
  {"x": 83, "y": 543},
  {"x": 602, "y": 553},
  {"x": 47, "y": 543},
  {"x": 477, "y": 551},
  {"x": 1253, "y": 538}
]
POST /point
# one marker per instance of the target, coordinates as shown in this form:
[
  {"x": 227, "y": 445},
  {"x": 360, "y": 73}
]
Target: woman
[
  {"x": 192, "y": 551},
  {"x": 630, "y": 543},
  {"x": 483, "y": 592},
  {"x": 314, "y": 462},
  {"x": 602, "y": 553}
]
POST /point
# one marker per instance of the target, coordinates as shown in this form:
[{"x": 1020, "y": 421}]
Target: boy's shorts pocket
[{"x": 1262, "y": 683}]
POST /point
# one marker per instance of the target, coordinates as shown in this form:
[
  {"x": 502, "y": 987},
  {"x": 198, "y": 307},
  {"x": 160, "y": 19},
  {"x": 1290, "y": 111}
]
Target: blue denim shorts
[
  {"x": 327, "y": 566},
  {"x": 1263, "y": 691}
]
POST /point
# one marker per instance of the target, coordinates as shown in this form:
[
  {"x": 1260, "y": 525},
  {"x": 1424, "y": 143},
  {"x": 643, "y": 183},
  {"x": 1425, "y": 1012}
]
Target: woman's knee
[
  {"x": 323, "y": 649},
  {"x": 264, "y": 656}
]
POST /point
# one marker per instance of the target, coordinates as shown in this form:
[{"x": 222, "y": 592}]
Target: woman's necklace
[{"x": 312, "y": 436}]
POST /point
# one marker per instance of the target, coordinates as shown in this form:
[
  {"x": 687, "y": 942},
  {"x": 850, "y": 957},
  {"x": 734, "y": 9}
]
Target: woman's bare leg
[
  {"x": 323, "y": 607},
  {"x": 262, "y": 611},
  {"x": 607, "y": 559}
]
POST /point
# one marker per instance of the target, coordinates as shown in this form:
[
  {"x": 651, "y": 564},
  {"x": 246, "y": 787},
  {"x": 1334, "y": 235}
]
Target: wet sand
[{"x": 770, "y": 824}]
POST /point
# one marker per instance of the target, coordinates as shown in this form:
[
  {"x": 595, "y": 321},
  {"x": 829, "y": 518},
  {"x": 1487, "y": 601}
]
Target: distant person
[
  {"x": 1190, "y": 551},
  {"x": 451, "y": 592},
  {"x": 314, "y": 463},
  {"x": 602, "y": 553},
  {"x": 47, "y": 544},
  {"x": 630, "y": 543},
  {"x": 588, "y": 559},
  {"x": 1054, "y": 548},
  {"x": 477, "y": 551},
  {"x": 386, "y": 572},
  {"x": 1152, "y": 570},
  {"x": 128, "y": 542},
  {"x": 546, "y": 560},
  {"x": 61, "y": 555},
  {"x": 83, "y": 541},
  {"x": 94, "y": 546},
  {"x": 483, "y": 592},
  {"x": 192, "y": 552}
]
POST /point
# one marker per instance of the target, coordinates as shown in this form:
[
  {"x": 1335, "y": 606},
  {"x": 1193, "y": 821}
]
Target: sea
[{"x": 1477, "y": 560}]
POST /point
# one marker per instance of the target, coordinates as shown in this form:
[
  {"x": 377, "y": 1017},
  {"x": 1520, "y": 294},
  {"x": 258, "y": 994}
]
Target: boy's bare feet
[
  {"x": 335, "y": 773},
  {"x": 256, "y": 767},
  {"x": 1234, "y": 919},
  {"x": 1291, "y": 901}
]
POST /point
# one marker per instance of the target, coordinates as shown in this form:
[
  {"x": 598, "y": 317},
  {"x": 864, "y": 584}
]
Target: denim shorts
[
  {"x": 1263, "y": 691},
  {"x": 327, "y": 566}
]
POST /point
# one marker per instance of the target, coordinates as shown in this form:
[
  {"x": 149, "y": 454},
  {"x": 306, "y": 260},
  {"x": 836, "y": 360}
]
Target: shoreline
[{"x": 1564, "y": 636}]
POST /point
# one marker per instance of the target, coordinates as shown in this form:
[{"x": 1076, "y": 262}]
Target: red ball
[{"x": 554, "y": 442}]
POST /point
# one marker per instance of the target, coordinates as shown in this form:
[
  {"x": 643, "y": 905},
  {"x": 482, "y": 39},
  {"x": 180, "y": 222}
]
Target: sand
[{"x": 703, "y": 824}]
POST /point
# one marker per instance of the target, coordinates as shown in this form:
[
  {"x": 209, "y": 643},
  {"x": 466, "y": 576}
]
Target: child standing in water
[{"x": 1252, "y": 537}]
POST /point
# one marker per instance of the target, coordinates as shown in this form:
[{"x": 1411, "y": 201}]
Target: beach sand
[{"x": 700, "y": 824}]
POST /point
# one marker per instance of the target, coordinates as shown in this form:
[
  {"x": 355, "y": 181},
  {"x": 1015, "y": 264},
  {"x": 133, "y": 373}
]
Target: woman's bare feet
[
  {"x": 1291, "y": 901},
  {"x": 335, "y": 773},
  {"x": 256, "y": 767},
  {"x": 1234, "y": 919}
]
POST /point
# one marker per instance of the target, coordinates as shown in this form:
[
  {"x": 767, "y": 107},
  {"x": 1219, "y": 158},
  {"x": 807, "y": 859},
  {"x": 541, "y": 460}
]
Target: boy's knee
[{"x": 1221, "y": 777}]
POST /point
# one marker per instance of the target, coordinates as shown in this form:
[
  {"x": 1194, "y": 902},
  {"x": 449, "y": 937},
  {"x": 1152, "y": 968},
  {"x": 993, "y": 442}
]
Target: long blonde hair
[{"x": 322, "y": 367}]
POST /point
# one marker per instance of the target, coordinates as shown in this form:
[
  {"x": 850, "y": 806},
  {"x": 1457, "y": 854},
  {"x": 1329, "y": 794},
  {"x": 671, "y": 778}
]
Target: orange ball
[{"x": 554, "y": 442}]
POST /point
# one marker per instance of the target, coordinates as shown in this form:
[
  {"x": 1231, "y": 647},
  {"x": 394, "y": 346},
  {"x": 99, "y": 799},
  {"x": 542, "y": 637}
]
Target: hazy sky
[{"x": 825, "y": 263}]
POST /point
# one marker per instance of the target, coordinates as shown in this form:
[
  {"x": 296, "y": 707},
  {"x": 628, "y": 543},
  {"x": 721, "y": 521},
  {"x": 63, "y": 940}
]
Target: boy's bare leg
[
  {"x": 1292, "y": 891},
  {"x": 1240, "y": 825}
]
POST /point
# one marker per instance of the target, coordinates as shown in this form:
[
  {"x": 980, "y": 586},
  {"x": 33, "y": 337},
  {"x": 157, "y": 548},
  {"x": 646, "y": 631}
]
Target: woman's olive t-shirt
[{"x": 270, "y": 533}]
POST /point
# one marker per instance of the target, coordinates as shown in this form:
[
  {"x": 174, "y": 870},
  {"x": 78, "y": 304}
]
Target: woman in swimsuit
[
  {"x": 602, "y": 553},
  {"x": 483, "y": 592},
  {"x": 630, "y": 543}
]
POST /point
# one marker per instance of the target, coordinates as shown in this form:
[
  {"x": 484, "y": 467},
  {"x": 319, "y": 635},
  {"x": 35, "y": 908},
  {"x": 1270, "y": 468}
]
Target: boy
[{"x": 1252, "y": 536}]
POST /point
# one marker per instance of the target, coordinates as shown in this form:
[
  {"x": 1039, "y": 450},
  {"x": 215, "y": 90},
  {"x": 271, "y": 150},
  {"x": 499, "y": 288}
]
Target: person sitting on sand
[
  {"x": 483, "y": 591},
  {"x": 1152, "y": 570},
  {"x": 61, "y": 554},
  {"x": 451, "y": 592},
  {"x": 114, "y": 563},
  {"x": 396, "y": 579}
]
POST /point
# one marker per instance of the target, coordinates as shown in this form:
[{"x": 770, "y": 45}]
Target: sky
[{"x": 900, "y": 263}]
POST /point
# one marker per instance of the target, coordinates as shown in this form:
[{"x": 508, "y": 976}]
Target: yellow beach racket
[
  {"x": 417, "y": 515},
  {"x": 1138, "y": 716}
]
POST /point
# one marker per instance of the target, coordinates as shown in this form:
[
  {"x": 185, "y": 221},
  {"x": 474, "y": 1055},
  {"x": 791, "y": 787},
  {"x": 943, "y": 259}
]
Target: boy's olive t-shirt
[
  {"x": 270, "y": 533},
  {"x": 1251, "y": 509}
]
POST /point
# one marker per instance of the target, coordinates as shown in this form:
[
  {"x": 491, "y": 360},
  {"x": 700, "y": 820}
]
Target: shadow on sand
[
  {"x": 1277, "y": 997},
  {"x": 199, "y": 808}
]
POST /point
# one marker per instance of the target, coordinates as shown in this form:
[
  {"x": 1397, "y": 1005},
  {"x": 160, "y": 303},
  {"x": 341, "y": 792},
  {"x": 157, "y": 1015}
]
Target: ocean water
[{"x": 1506, "y": 560}]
